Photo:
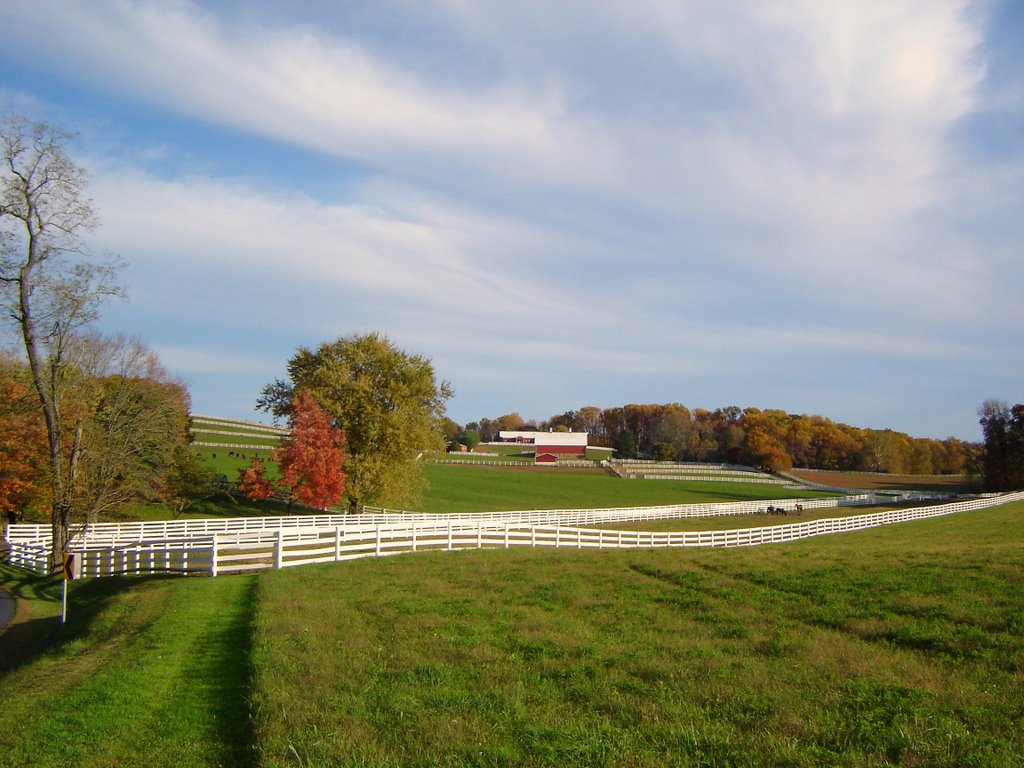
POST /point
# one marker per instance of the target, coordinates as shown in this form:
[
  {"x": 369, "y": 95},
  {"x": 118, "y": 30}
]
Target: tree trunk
[{"x": 47, "y": 391}]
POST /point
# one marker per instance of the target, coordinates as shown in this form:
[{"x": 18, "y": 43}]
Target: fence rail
[
  {"x": 334, "y": 538},
  {"x": 167, "y": 529}
]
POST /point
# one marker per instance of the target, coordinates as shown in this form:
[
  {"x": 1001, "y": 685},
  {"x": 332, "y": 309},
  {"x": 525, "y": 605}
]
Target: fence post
[
  {"x": 213, "y": 556},
  {"x": 279, "y": 550},
  {"x": 376, "y": 549},
  {"x": 337, "y": 543},
  {"x": 479, "y": 534},
  {"x": 506, "y": 535},
  {"x": 414, "y": 536},
  {"x": 449, "y": 535}
]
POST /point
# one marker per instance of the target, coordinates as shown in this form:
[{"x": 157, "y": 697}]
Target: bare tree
[{"x": 51, "y": 289}]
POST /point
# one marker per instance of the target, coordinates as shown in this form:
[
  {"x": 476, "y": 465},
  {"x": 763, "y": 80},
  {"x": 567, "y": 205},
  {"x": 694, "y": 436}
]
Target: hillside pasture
[
  {"x": 227, "y": 445},
  {"x": 490, "y": 489}
]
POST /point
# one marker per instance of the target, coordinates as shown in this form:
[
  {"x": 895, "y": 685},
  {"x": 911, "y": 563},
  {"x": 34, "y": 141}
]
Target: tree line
[{"x": 772, "y": 439}]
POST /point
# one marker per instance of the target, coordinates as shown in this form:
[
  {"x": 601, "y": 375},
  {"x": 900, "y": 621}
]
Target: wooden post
[
  {"x": 279, "y": 549},
  {"x": 337, "y": 543},
  {"x": 449, "y": 535},
  {"x": 376, "y": 550},
  {"x": 213, "y": 556}
]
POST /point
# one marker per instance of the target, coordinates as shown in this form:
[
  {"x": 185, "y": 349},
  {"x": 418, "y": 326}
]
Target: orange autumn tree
[
  {"x": 22, "y": 444},
  {"x": 253, "y": 482},
  {"x": 312, "y": 458},
  {"x": 310, "y": 462}
]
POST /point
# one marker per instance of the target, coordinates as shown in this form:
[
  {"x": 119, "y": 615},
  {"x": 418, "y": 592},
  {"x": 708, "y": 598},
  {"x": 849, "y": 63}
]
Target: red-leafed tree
[
  {"x": 312, "y": 458},
  {"x": 253, "y": 482}
]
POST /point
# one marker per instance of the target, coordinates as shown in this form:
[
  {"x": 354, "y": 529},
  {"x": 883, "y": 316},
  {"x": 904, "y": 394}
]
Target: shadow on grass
[
  {"x": 22, "y": 641},
  {"x": 223, "y": 661},
  {"x": 218, "y": 666}
]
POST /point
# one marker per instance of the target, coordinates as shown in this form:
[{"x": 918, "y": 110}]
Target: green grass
[
  {"x": 228, "y": 461},
  {"x": 898, "y": 646},
  {"x": 902, "y": 645},
  {"x": 217, "y": 506},
  {"x": 150, "y": 672},
  {"x": 255, "y": 438},
  {"x": 481, "y": 489}
]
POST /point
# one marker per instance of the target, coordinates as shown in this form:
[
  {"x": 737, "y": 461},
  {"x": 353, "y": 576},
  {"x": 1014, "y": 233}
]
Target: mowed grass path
[
  {"x": 902, "y": 645},
  {"x": 147, "y": 672}
]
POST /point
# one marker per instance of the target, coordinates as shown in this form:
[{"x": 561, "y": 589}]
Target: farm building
[{"x": 549, "y": 447}]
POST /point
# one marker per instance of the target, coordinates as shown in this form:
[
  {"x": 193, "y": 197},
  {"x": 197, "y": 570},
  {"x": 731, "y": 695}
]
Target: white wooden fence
[
  {"x": 289, "y": 541},
  {"x": 171, "y": 529}
]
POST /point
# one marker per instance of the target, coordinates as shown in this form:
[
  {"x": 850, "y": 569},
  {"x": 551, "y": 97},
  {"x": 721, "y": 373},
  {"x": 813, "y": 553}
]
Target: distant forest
[{"x": 772, "y": 439}]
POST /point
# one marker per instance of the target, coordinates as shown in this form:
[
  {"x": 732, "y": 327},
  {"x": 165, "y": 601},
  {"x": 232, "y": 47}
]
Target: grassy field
[
  {"x": 897, "y": 646},
  {"x": 482, "y": 489},
  {"x": 889, "y": 647},
  {"x": 228, "y": 461},
  {"x": 223, "y": 456}
]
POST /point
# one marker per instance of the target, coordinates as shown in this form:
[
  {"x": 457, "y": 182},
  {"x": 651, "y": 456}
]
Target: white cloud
[
  {"x": 395, "y": 246},
  {"x": 303, "y": 86},
  {"x": 204, "y": 360},
  {"x": 679, "y": 187}
]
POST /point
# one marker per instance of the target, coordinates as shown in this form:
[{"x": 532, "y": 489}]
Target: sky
[{"x": 809, "y": 205}]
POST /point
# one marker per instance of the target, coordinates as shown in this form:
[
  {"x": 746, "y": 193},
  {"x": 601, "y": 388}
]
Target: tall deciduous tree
[
  {"x": 311, "y": 460},
  {"x": 50, "y": 289},
  {"x": 388, "y": 403},
  {"x": 1002, "y": 460},
  {"x": 22, "y": 442},
  {"x": 134, "y": 419}
]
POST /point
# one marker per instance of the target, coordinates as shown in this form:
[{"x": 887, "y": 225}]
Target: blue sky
[{"x": 806, "y": 205}]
